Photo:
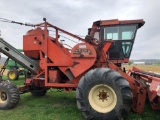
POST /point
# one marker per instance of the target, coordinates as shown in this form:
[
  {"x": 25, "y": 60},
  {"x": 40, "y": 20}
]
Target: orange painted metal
[
  {"x": 150, "y": 85},
  {"x": 60, "y": 68},
  {"x": 54, "y": 76},
  {"x": 39, "y": 45},
  {"x": 84, "y": 57},
  {"x": 52, "y": 54}
]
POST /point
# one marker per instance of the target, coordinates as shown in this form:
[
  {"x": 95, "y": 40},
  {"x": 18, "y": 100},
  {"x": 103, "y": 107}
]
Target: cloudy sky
[{"x": 77, "y": 16}]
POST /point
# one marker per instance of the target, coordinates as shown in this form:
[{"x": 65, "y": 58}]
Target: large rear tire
[
  {"x": 9, "y": 95},
  {"x": 103, "y": 94}
]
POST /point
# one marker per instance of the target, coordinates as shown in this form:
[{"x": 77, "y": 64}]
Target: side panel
[
  {"x": 57, "y": 56},
  {"x": 84, "y": 57}
]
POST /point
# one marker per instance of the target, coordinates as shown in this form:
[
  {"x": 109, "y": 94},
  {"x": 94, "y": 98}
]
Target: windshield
[{"x": 120, "y": 32}]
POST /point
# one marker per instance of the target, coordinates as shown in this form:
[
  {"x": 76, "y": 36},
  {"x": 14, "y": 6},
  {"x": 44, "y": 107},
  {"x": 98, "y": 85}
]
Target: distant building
[{"x": 139, "y": 63}]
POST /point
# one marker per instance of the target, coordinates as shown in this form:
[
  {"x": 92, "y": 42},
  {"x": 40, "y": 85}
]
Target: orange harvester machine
[{"x": 106, "y": 47}]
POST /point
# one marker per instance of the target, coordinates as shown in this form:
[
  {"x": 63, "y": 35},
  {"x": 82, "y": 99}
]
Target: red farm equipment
[{"x": 93, "y": 68}]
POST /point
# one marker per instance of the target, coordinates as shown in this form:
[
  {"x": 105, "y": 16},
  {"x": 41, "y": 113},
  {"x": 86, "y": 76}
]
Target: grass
[
  {"x": 53, "y": 106},
  {"x": 58, "y": 106},
  {"x": 148, "y": 114}
]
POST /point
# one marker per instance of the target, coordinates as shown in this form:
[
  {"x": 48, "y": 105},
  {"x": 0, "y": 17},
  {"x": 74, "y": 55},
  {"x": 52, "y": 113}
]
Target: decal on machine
[
  {"x": 83, "y": 51},
  {"x": 82, "y": 46}
]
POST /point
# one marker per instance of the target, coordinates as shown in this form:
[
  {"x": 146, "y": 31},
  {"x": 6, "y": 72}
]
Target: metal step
[{"x": 17, "y": 56}]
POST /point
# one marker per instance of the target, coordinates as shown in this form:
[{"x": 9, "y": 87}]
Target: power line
[
  {"x": 69, "y": 39},
  {"x": 63, "y": 36},
  {"x": 28, "y": 24},
  {"x": 20, "y": 23},
  {"x": 62, "y": 32}
]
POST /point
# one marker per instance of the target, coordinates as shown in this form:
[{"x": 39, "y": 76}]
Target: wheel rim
[
  {"x": 3, "y": 97},
  {"x": 102, "y": 98},
  {"x": 12, "y": 75}
]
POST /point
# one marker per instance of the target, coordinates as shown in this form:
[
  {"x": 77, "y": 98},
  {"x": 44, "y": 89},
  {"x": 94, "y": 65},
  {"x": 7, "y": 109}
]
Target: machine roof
[{"x": 140, "y": 22}]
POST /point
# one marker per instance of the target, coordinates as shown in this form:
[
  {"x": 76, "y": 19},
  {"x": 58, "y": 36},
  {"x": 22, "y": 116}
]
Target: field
[
  {"x": 62, "y": 106},
  {"x": 149, "y": 68}
]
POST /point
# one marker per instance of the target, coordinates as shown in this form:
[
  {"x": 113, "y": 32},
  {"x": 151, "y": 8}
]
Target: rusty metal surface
[{"x": 150, "y": 87}]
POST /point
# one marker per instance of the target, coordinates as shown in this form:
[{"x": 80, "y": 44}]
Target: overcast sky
[{"x": 77, "y": 16}]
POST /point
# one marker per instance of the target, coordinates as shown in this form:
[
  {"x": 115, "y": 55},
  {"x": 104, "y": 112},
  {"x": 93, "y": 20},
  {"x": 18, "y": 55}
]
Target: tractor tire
[
  {"x": 103, "y": 94},
  {"x": 39, "y": 92},
  {"x": 9, "y": 95},
  {"x": 13, "y": 75}
]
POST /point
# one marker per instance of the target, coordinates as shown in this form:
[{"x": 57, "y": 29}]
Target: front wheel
[
  {"x": 9, "y": 95},
  {"x": 103, "y": 94}
]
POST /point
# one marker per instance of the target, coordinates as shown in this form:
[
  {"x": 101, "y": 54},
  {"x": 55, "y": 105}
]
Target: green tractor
[{"x": 15, "y": 70}]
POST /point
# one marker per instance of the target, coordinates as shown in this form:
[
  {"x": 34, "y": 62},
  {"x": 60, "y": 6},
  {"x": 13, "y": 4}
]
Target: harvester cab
[{"x": 122, "y": 33}]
